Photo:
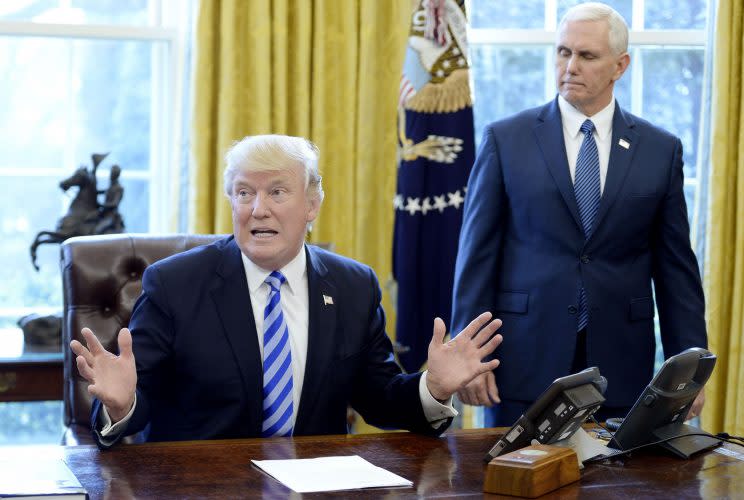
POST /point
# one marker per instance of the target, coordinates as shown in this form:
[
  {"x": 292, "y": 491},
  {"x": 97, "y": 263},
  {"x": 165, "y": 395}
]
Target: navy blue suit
[
  {"x": 199, "y": 365},
  {"x": 523, "y": 255}
]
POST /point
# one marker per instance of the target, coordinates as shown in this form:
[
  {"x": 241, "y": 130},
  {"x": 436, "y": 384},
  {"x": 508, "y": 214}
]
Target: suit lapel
[
  {"x": 233, "y": 303},
  {"x": 322, "y": 294},
  {"x": 619, "y": 163},
  {"x": 549, "y": 135}
]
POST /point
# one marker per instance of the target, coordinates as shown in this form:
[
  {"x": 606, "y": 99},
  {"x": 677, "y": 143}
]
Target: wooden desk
[{"x": 450, "y": 466}]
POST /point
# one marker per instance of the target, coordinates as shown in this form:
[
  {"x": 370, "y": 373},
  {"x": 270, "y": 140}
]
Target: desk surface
[{"x": 450, "y": 466}]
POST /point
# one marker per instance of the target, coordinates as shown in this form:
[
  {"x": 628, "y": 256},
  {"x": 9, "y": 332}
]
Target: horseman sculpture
[{"x": 86, "y": 215}]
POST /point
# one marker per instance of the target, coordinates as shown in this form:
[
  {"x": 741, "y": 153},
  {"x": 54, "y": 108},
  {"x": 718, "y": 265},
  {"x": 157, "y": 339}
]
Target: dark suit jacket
[
  {"x": 199, "y": 366},
  {"x": 523, "y": 255}
]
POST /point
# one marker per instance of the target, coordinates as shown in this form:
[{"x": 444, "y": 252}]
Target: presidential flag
[{"x": 436, "y": 152}]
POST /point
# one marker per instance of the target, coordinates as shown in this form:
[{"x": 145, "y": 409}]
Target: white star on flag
[
  {"x": 439, "y": 203},
  {"x": 455, "y": 199},
  {"x": 398, "y": 201},
  {"x": 426, "y": 206},
  {"x": 413, "y": 206}
]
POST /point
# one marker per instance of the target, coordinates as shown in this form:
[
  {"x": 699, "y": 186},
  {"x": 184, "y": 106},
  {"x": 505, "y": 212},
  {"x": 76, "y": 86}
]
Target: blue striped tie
[
  {"x": 277, "y": 365},
  {"x": 587, "y": 188}
]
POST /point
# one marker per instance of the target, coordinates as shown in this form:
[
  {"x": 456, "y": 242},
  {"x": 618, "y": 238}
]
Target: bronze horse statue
[{"x": 83, "y": 216}]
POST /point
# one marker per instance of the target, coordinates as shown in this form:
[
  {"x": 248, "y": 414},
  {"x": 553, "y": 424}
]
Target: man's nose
[
  {"x": 260, "y": 206},
  {"x": 572, "y": 65}
]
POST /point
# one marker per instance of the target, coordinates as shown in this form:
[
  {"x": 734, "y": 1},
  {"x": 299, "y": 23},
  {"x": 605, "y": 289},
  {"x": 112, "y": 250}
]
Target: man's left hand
[
  {"x": 697, "y": 405},
  {"x": 452, "y": 365}
]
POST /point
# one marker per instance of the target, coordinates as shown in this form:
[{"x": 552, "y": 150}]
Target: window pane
[
  {"x": 623, "y": 7},
  {"x": 134, "y": 206},
  {"x": 31, "y": 423},
  {"x": 99, "y": 101},
  {"x": 690, "y": 198},
  {"x": 526, "y": 14},
  {"x": 675, "y": 14},
  {"x": 27, "y": 206},
  {"x": 672, "y": 95},
  {"x": 131, "y": 12},
  {"x": 507, "y": 80}
]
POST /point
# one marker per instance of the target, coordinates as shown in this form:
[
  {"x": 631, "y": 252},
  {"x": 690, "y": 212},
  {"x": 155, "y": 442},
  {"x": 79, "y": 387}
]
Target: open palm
[
  {"x": 112, "y": 378},
  {"x": 453, "y": 364}
]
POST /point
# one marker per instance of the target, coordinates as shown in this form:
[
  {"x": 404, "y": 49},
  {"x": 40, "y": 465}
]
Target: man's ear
[
  {"x": 622, "y": 64},
  {"x": 313, "y": 208}
]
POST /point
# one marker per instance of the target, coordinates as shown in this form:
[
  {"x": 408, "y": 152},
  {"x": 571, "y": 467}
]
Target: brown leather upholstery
[{"x": 101, "y": 279}]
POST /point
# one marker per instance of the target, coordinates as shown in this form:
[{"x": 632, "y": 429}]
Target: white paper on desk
[
  {"x": 330, "y": 474},
  {"x": 585, "y": 446}
]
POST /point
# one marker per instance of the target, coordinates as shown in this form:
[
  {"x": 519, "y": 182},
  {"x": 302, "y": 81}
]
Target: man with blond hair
[{"x": 259, "y": 334}]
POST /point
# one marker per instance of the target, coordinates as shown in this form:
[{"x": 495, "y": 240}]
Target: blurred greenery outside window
[
  {"x": 80, "y": 77},
  {"x": 513, "y": 55}
]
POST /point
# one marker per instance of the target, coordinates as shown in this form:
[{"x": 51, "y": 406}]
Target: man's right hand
[
  {"x": 112, "y": 378},
  {"x": 481, "y": 391}
]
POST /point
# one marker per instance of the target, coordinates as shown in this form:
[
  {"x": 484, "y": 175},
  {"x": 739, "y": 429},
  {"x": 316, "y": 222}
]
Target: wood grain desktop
[{"x": 445, "y": 467}]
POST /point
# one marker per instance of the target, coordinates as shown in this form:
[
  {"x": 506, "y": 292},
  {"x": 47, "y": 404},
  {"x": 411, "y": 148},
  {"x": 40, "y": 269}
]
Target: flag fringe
[{"x": 452, "y": 94}]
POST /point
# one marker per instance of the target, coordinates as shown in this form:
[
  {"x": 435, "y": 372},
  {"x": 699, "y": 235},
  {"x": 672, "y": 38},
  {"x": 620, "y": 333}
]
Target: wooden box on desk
[{"x": 532, "y": 471}]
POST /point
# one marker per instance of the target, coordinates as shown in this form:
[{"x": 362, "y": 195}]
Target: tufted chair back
[{"x": 101, "y": 279}]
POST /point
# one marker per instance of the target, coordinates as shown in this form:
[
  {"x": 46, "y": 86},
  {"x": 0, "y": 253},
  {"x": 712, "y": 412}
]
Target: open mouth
[{"x": 263, "y": 233}]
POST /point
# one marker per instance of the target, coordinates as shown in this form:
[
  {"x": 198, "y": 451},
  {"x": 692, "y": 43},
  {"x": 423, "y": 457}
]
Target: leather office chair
[{"x": 101, "y": 279}]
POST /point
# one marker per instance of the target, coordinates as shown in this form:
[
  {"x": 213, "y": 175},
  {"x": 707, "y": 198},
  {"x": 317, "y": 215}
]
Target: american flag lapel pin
[
  {"x": 327, "y": 299},
  {"x": 623, "y": 143}
]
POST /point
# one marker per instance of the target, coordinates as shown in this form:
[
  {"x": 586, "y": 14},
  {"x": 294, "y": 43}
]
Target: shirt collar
[
  {"x": 295, "y": 272},
  {"x": 572, "y": 118}
]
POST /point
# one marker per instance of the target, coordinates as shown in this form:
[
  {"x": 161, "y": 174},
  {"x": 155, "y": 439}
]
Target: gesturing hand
[
  {"x": 112, "y": 378},
  {"x": 452, "y": 365},
  {"x": 481, "y": 391}
]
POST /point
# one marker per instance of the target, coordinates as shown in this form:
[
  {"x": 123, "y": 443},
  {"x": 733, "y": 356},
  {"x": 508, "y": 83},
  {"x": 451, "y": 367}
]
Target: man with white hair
[
  {"x": 259, "y": 334},
  {"x": 573, "y": 210}
]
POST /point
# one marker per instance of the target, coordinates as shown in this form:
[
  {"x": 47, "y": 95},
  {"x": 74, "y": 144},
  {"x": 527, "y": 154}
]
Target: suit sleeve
[
  {"x": 384, "y": 396},
  {"x": 478, "y": 254},
  {"x": 152, "y": 335},
  {"x": 679, "y": 293}
]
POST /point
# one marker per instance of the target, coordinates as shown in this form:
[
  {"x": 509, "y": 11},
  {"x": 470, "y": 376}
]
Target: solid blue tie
[
  {"x": 277, "y": 365},
  {"x": 587, "y": 189}
]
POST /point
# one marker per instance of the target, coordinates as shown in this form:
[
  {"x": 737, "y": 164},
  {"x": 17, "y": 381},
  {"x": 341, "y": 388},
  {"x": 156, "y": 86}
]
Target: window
[{"x": 82, "y": 77}]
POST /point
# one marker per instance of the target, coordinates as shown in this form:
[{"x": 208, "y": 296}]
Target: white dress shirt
[
  {"x": 572, "y": 120},
  {"x": 296, "y": 309}
]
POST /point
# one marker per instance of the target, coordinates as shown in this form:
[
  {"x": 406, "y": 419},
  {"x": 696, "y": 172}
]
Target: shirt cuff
[
  {"x": 435, "y": 412},
  {"x": 108, "y": 427}
]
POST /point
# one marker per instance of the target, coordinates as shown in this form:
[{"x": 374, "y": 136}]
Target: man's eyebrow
[{"x": 584, "y": 53}]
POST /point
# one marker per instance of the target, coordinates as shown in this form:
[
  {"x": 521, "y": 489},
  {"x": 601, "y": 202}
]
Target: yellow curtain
[
  {"x": 724, "y": 262},
  {"x": 323, "y": 69}
]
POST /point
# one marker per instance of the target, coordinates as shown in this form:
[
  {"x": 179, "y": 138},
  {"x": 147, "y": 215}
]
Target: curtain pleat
[{"x": 724, "y": 262}]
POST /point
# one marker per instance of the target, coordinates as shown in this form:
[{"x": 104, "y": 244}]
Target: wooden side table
[
  {"x": 31, "y": 377},
  {"x": 27, "y": 375}
]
